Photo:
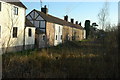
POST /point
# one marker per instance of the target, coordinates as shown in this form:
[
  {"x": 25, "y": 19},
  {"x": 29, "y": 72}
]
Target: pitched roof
[
  {"x": 15, "y": 2},
  {"x": 56, "y": 20},
  {"x": 28, "y": 23}
]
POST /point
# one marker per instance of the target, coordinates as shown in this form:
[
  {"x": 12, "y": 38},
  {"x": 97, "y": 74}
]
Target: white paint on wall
[
  {"x": 7, "y": 21},
  {"x": 29, "y": 39},
  {"x": 58, "y": 34}
]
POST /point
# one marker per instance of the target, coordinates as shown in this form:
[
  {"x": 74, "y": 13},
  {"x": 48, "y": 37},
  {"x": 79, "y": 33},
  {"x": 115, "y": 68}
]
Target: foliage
[
  {"x": 83, "y": 59},
  {"x": 87, "y": 28}
]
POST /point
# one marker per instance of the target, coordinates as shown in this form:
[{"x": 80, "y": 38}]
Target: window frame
[
  {"x": 61, "y": 37},
  {"x": 56, "y": 37},
  {"x": 59, "y": 29},
  {"x": 15, "y": 32},
  {"x": 30, "y": 32},
  {"x": 43, "y": 37},
  {"x": 0, "y": 6},
  {"x": 15, "y": 10}
]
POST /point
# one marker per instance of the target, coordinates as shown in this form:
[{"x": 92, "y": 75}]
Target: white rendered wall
[
  {"x": 58, "y": 32},
  {"x": 7, "y": 21},
  {"x": 29, "y": 40}
]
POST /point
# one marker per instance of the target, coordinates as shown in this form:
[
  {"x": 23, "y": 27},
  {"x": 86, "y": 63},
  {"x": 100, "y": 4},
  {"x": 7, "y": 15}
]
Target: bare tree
[
  {"x": 103, "y": 15},
  {"x": 9, "y": 28}
]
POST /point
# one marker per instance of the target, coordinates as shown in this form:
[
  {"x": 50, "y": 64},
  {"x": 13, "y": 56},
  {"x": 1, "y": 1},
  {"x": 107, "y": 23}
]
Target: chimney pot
[
  {"x": 66, "y": 18},
  {"x": 72, "y": 21},
  {"x": 44, "y": 9},
  {"x": 76, "y": 22},
  {"x": 80, "y": 23}
]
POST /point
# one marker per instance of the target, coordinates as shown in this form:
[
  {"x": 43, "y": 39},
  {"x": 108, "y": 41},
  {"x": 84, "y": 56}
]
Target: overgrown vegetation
[{"x": 83, "y": 59}]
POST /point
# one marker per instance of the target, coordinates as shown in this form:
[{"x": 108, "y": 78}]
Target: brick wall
[
  {"x": 50, "y": 33},
  {"x": 67, "y": 31}
]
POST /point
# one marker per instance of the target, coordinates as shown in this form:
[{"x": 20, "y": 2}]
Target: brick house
[{"x": 51, "y": 31}]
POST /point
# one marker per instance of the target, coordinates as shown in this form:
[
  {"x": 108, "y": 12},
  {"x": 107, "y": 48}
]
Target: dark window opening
[
  {"x": 15, "y": 11},
  {"x": 0, "y": 6},
  {"x": 14, "y": 32},
  {"x": 56, "y": 37},
  {"x": 30, "y": 32},
  {"x": 61, "y": 37},
  {"x": 44, "y": 37}
]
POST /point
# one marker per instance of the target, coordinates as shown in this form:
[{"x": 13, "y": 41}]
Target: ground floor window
[
  {"x": 43, "y": 37},
  {"x": 56, "y": 37},
  {"x": 15, "y": 30},
  {"x": 29, "y": 32},
  {"x": 61, "y": 37}
]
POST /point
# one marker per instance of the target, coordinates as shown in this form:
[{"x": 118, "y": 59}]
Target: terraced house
[
  {"x": 16, "y": 32},
  {"x": 51, "y": 31}
]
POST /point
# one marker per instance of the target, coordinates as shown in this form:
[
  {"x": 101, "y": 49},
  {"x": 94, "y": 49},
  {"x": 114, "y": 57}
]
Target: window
[
  {"x": 59, "y": 28},
  {"x": 61, "y": 37},
  {"x": 14, "y": 32},
  {"x": 56, "y": 37},
  {"x": 44, "y": 37},
  {"x": 0, "y": 6},
  {"x": 29, "y": 32},
  {"x": 0, "y": 31},
  {"x": 15, "y": 11}
]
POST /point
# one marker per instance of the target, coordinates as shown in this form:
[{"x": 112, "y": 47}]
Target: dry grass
[{"x": 70, "y": 60}]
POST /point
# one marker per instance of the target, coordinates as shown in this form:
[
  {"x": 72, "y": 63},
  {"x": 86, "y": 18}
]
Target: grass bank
[{"x": 83, "y": 59}]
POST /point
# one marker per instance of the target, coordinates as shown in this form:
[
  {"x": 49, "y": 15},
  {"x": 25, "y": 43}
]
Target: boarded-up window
[
  {"x": 15, "y": 10},
  {"x": 0, "y": 6},
  {"x": 0, "y": 31},
  {"x": 29, "y": 32},
  {"x": 15, "y": 32}
]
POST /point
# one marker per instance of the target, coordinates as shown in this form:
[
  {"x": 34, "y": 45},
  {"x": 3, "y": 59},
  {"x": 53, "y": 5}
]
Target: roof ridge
[{"x": 57, "y": 20}]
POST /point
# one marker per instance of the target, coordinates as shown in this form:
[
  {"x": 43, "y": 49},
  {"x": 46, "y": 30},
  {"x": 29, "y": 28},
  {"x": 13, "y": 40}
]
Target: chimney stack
[
  {"x": 76, "y": 22},
  {"x": 66, "y": 18},
  {"x": 80, "y": 23},
  {"x": 72, "y": 21},
  {"x": 44, "y": 9}
]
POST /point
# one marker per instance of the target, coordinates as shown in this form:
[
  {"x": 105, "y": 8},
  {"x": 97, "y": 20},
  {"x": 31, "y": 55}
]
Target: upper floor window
[
  {"x": 0, "y": 6},
  {"x": 59, "y": 28},
  {"x": 15, "y": 10},
  {"x": 29, "y": 32},
  {"x": 15, "y": 32}
]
